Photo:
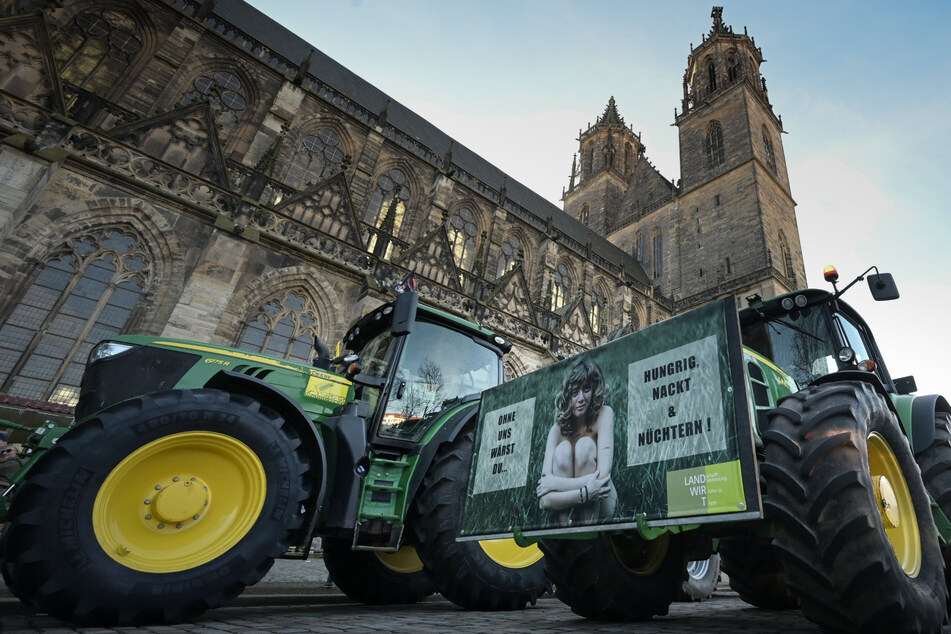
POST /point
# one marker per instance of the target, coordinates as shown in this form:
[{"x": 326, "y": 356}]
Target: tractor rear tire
[
  {"x": 851, "y": 515},
  {"x": 616, "y": 578},
  {"x": 703, "y": 575},
  {"x": 376, "y": 578},
  {"x": 156, "y": 510},
  {"x": 488, "y": 575},
  {"x": 935, "y": 464},
  {"x": 756, "y": 574}
]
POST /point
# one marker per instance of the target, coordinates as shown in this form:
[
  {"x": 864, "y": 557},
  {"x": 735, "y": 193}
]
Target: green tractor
[
  {"x": 191, "y": 467},
  {"x": 836, "y": 497}
]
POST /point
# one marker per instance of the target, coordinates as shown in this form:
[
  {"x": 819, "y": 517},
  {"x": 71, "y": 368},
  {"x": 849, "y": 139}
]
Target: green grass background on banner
[{"x": 642, "y": 488}]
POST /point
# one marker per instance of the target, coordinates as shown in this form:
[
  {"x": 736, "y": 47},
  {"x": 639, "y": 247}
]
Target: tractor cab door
[{"x": 437, "y": 365}]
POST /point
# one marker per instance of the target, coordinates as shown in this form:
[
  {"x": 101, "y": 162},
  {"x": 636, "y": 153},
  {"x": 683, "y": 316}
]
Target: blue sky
[{"x": 862, "y": 88}]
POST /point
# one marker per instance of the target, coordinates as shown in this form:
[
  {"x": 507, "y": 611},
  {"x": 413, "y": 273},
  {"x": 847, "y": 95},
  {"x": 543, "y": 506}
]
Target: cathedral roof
[{"x": 281, "y": 41}]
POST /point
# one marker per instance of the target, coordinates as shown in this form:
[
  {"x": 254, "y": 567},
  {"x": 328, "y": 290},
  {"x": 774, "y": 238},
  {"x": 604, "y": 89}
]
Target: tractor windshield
[
  {"x": 437, "y": 365},
  {"x": 801, "y": 343}
]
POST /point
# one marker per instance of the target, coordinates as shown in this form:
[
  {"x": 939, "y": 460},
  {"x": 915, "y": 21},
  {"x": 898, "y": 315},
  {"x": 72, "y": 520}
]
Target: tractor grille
[{"x": 140, "y": 371}]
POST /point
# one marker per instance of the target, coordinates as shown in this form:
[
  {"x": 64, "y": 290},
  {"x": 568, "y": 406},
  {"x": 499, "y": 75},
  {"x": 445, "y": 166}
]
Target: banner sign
[{"x": 655, "y": 424}]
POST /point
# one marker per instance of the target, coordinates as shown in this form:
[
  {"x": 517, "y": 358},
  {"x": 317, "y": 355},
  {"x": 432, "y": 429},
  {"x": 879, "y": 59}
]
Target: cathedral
[{"x": 191, "y": 169}]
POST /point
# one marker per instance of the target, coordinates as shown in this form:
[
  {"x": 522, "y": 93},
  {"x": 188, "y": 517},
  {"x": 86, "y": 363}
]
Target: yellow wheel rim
[
  {"x": 641, "y": 557},
  {"x": 404, "y": 561},
  {"x": 507, "y": 553},
  {"x": 895, "y": 506},
  {"x": 179, "y": 502}
]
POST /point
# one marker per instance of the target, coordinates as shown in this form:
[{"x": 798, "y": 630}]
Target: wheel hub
[
  {"x": 887, "y": 502},
  {"x": 176, "y": 503}
]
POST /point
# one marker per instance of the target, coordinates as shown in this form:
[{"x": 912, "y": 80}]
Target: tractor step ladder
[{"x": 379, "y": 523}]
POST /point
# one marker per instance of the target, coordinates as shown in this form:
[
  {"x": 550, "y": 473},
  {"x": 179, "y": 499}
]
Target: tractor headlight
[
  {"x": 108, "y": 349},
  {"x": 846, "y": 354}
]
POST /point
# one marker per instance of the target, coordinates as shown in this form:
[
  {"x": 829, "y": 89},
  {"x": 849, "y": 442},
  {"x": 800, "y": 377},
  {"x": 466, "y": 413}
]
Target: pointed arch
[
  {"x": 768, "y": 150},
  {"x": 315, "y": 152},
  {"x": 785, "y": 257},
  {"x": 598, "y": 311},
  {"x": 281, "y": 311},
  {"x": 394, "y": 182},
  {"x": 100, "y": 48},
  {"x": 515, "y": 248},
  {"x": 227, "y": 88},
  {"x": 462, "y": 229},
  {"x": 711, "y": 74},
  {"x": 514, "y": 366},
  {"x": 713, "y": 145},
  {"x": 561, "y": 284},
  {"x": 106, "y": 271},
  {"x": 657, "y": 252},
  {"x": 640, "y": 247}
]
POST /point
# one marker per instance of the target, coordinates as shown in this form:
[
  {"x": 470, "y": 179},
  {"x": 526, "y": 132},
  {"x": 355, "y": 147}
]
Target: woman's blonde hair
[{"x": 584, "y": 373}]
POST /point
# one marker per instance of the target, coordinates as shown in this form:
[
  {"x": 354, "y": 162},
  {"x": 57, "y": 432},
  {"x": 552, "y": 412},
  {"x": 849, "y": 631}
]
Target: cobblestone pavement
[{"x": 292, "y": 598}]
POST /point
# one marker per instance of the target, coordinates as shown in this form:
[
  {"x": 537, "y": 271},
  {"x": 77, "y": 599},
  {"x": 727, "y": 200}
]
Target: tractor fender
[
  {"x": 924, "y": 409},
  {"x": 854, "y": 375},
  {"x": 293, "y": 413},
  {"x": 446, "y": 433}
]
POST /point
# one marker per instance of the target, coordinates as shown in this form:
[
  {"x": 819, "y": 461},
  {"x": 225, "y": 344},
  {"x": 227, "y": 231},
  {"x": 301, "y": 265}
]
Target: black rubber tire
[
  {"x": 364, "y": 576},
  {"x": 756, "y": 574},
  {"x": 935, "y": 465},
  {"x": 53, "y": 555},
  {"x": 462, "y": 571},
  {"x": 703, "y": 575},
  {"x": 829, "y": 530},
  {"x": 590, "y": 577}
]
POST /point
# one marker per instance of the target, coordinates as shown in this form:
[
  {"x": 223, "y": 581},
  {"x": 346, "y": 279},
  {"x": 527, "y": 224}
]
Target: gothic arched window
[
  {"x": 583, "y": 214},
  {"x": 599, "y": 303},
  {"x": 283, "y": 327},
  {"x": 511, "y": 254},
  {"x": 658, "y": 248},
  {"x": 587, "y": 162},
  {"x": 712, "y": 76},
  {"x": 224, "y": 92},
  {"x": 462, "y": 231},
  {"x": 732, "y": 69},
  {"x": 640, "y": 252},
  {"x": 784, "y": 255},
  {"x": 318, "y": 157},
  {"x": 768, "y": 148},
  {"x": 389, "y": 187},
  {"x": 96, "y": 48},
  {"x": 713, "y": 145},
  {"x": 561, "y": 287},
  {"x": 628, "y": 158},
  {"x": 84, "y": 294}
]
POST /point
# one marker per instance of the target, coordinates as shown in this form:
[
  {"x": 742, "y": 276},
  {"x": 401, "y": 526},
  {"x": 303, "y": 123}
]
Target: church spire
[{"x": 611, "y": 116}]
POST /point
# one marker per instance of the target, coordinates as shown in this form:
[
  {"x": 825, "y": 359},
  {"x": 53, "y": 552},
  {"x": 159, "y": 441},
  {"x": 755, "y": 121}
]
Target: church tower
[
  {"x": 609, "y": 152},
  {"x": 738, "y": 231}
]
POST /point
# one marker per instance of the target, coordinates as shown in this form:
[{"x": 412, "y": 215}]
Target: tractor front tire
[
  {"x": 851, "y": 515},
  {"x": 156, "y": 510},
  {"x": 376, "y": 578},
  {"x": 476, "y": 575},
  {"x": 616, "y": 578}
]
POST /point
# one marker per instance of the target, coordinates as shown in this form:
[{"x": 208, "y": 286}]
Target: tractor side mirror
[
  {"x": 883, "y": 287},
  {"x": 404, "y": 313}
]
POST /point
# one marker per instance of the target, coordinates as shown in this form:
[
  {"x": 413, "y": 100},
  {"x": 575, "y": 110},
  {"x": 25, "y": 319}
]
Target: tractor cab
[
  {"x": 811, "y": 334},
  {"x": 411, "y": 362}
]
